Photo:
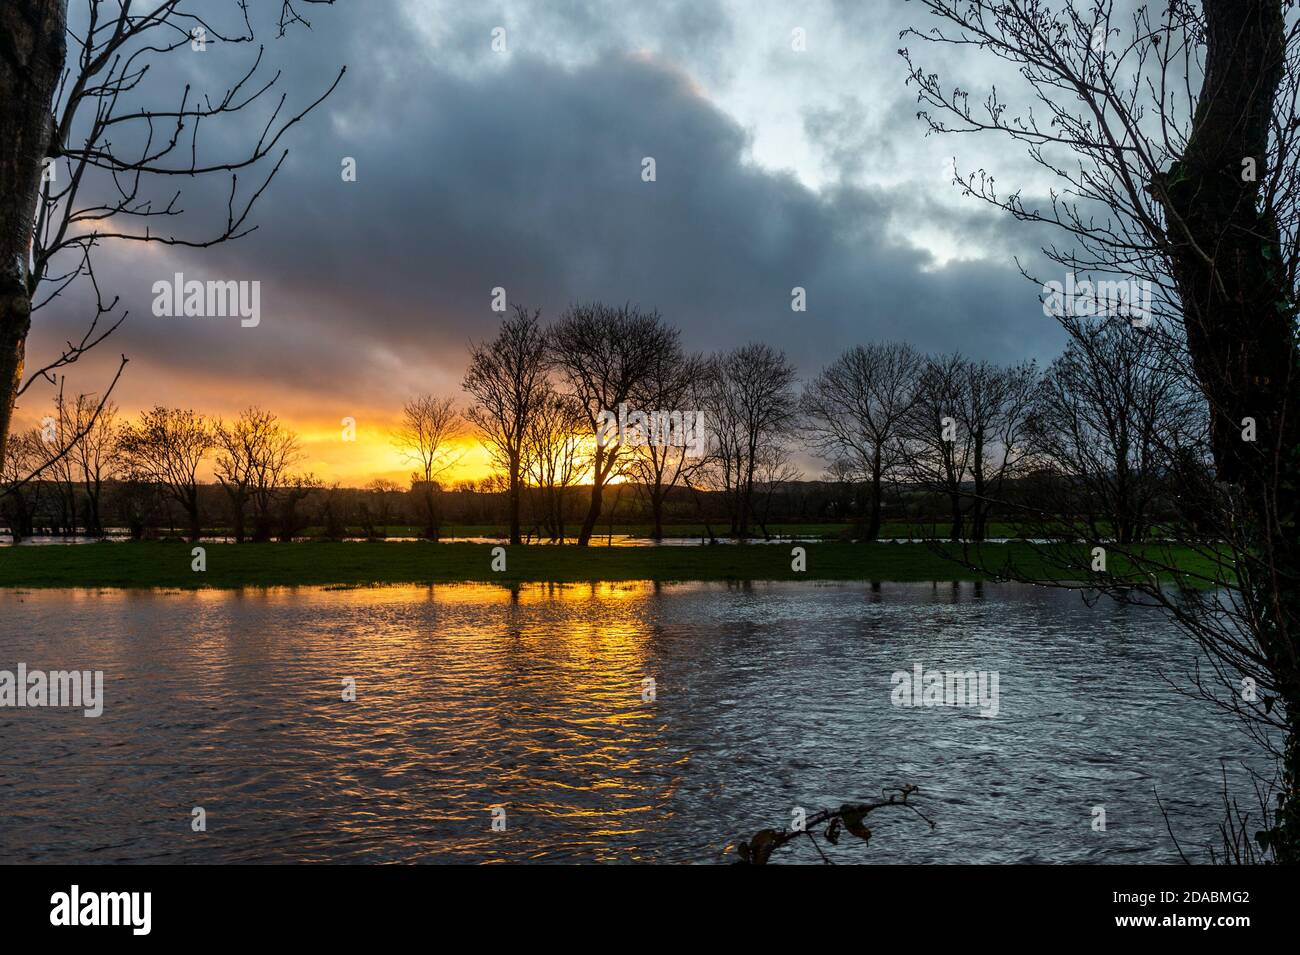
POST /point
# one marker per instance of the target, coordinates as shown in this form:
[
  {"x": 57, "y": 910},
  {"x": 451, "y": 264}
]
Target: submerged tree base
[{"x": 169, "y": 564}]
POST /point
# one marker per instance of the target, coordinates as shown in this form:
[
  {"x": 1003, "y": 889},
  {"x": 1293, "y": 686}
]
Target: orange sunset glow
[{"x": 330, "y": 457}]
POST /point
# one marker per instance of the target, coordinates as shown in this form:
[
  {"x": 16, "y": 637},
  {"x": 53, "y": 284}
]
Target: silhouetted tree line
[{"x": 940, "y": 440}]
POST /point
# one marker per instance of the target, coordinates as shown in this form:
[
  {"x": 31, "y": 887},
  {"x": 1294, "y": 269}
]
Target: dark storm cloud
[{"x": 526, "y": 174}]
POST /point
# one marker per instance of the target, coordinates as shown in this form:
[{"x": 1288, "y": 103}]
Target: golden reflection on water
[
  {"x": 450, "y": 593},
  {"x": 468, "y": 696}
]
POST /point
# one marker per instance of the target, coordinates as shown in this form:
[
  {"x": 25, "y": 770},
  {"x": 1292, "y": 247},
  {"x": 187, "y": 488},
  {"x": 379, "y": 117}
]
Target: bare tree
[
  {"x": 254, "y": 456},
  {"x": 664, "y": 460},
  {"x": 725, "y": 464},
  {"x": 234, "y": 469},
  {"x": 507, "y": 382},
  {"x": 1108, "y": 413},
  {"x": 95, "y": 454},
  {"x": 555, "y": 458},
  {"x": 27, "y": 452},
  {"x": 426, "y": 437},
  {"x": 997, "y": 417},
  {"x": 856, "y": 409},
  {"x": 273, "y": 478},
  {"x": 774, "y": 471},
  {"x": 605, "y": 355},
  {"x": 1195, "y": 192},
  {"x": 966, "y": 435},
  {"x": 750, "y": 404},
  {"x": 165, "y": 447},
  {"x": 936, "y": 453},
  {"x": 60, "y": 471},
  {"x": 88, "y": 155}
]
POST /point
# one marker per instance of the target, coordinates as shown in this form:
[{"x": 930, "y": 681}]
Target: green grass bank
[{"x": 167, "y": 564}]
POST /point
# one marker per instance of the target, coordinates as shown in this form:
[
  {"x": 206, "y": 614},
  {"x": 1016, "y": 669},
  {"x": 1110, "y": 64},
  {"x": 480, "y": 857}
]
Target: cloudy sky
[{"x": 477, "y": 168}]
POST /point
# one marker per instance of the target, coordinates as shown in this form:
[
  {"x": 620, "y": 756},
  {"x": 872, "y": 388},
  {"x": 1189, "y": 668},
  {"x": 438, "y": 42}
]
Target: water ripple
[{"x": 768, "y": 696}]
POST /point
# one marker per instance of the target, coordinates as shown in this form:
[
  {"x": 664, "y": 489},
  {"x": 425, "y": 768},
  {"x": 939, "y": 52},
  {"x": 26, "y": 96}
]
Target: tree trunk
[
  {"x": 747, "y": 497},
  {"x": 593, "y": 511},
  {"x": 94, "y": 523},
  {"x": 512, "y": 502},
  {"x": 32, "y": 49},
  {"x": 599, "y": 474},
  {"x": 657, "y": 512},
  {"x": 196, "y": 526},
  {"x": 958, "y": 520},
  {"x": 1239, "y": 319},
  {"x": 434, "y": 530},
  {"x": 873, "y": 517},
  {"x": 264, "y": 527}
]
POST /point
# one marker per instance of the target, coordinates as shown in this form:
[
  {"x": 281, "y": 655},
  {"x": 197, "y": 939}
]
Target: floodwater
[{"x": 765, "y": 697}]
